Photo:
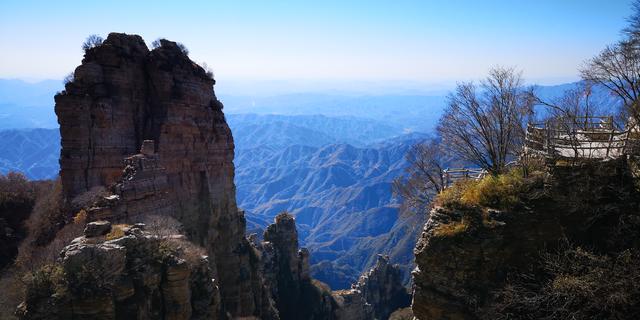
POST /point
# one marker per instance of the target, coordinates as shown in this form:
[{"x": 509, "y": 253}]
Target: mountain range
[
  {"x": 326, "y": 159},
  {"x": 332, "y": 174}
]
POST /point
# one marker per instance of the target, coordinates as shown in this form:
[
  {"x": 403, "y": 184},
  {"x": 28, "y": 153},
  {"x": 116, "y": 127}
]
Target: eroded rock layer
[
  {"x": 123, "y": 94},
  {"x": 468, "y": 253},
  {"x": 137, "y": 275},
  {"x": 286, "y": 271},
  {"x": 378, "y": 293}
]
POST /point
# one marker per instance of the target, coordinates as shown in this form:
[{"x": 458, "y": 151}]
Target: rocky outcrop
[
  {"x": 143, "y": 135},
  {"x": 135, "y": 276},
  {"x": 352, "y": 306},
  {"x": 286, "y": 271},
  {"x": 142, "y": 190},
  {"x": 97, "y": 228},
  {"x": 382, "y": 288},
  {"x": 124, "y": 94},
  {"x": 377, "y": 294},
  {"x": 467, "y": 253}
]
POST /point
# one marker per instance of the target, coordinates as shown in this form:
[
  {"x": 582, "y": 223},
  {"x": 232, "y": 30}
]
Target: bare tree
[
  {"x": 617, "y": 67},
  {"x": 486, "y": 127},
  {"x": 569, "y": 116},
  {"x": 632, "y": 31},
  {"x": 424, "y": 175},
  {"x": 92, "y": 41}
]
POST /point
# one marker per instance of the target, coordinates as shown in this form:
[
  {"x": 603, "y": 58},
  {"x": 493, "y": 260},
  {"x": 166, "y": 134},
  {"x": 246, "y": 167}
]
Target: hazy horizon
[{"x": 333, "y": 44}]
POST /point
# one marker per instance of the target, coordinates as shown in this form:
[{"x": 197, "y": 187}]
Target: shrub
[
  {"x": 88, "y": 198},
  {"x": 452, "y": 196},
  {"x": 182, "y": 248},
  {"x": 207, "y": 70},
  {"x": 91, "y": 42},
  {"x": 117, "y": 231},
  {"x": 157, "y": 43},
  {"x": 573, "y": 283},
  {"x": 68, "y": 79},
  {"x": 17, "y": 198},
  {"x": 32, "y": 256},
  {"x": 12, "y": 292},
  {"x": 162, "y": 226},
  {"x": 81, "y": 217},
  {"x": 452, "y": 229},
  {"x": 183, "y": 48},
  {"x": 48, "y": 214},
  {"x": 44, "y": 282},
  {"x": 503, "y": 191}
]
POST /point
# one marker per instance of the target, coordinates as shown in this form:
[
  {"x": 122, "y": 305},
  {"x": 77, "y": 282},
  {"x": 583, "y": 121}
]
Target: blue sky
[{"x": 336, "y": 41}]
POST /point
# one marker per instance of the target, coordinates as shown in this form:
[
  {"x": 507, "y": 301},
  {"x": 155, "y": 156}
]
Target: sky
[{"x": 359, "y": 43}]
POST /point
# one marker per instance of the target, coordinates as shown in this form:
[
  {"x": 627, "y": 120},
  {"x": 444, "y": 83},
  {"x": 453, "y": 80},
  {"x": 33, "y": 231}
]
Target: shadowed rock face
[
  {"x": 148, "y": 126},
  {"x": 286, "y": 271},
  {"x": 134, "y": 276},
  {"x": 458, "y": 268},
  {"x": 377, "y": 294},
  {"x": 123, "y": 94}
]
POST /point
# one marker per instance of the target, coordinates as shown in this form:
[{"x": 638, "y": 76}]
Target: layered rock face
[
  {"x": 124, "y": 94},
  {"x": 382, "y": 288},
  {"x": 377, "y": 294},
  {"x": 143, "y": 135},
  {"x": 286, "y": 270},
  {"x": 138, "y": 275},
  {"x": 465, "y": 254}
]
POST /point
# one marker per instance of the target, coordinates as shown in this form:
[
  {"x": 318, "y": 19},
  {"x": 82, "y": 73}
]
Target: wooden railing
[
  {"x": 451, "y": 175},
  {"x": 592, "y": 138}
]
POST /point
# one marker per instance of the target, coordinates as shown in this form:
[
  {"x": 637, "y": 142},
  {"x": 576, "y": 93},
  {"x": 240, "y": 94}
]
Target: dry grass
[
  {"x": 48, "y": 215},
  {"x": 503, "y": 191},
  {"x": 32, "y": 256},
  {"x": 452, "y": 229},
  {"x": 117, "y": 231},
  {"x": 573, "y": 283},
  {"x": 44, "y": 282},
  {"x": 11, "y": 294},
  {"x": 453, "y": 195},
  {"x": 183, "y": 249},
  {"x": 162, "y": 226}
]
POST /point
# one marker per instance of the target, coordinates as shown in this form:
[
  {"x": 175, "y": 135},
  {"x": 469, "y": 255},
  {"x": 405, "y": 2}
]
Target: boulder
[{"x": 97, "y": 228}]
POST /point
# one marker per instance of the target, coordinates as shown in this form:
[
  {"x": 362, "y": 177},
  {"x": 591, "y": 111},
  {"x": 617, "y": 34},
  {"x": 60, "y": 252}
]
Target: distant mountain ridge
[
  {"x": 30, "y": 105},
  {"x": 328, "y": 160},
  {"x": 33, "y": 152},
  {"x": 340, "y": 194},
  {"x": 252, "y": 130},
  {"x": 341, "y": 198}
]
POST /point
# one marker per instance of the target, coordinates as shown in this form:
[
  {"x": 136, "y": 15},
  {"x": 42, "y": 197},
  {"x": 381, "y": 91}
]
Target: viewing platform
[{"x": 581, "y": 138}]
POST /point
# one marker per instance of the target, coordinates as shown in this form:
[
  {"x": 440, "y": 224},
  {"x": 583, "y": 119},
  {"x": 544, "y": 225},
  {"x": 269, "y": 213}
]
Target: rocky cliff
[
  {"x": 377, "y": 294},
  {"x": 124, "y": 94},
  {"x": 468, "y": 254},
  {"x": 144, "y": 139},
  {"x": 286, "y": 270},
  {"x": 124, "y": 273}
]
